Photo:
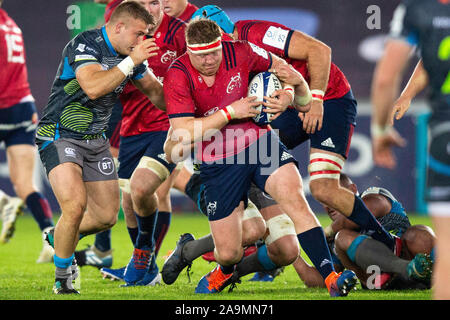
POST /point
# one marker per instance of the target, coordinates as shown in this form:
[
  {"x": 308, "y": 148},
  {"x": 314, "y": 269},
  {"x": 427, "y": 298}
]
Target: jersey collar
[{"x": 105, "y": 36}]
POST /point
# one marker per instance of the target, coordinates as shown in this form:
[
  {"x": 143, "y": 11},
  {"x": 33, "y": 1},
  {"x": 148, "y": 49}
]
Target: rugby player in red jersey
[
  {"x": 205, "y": 91},
  {"x": 18, "y": 120},
  {"x": 330, "y": 122},
  {"x": 180, "y": 9}
]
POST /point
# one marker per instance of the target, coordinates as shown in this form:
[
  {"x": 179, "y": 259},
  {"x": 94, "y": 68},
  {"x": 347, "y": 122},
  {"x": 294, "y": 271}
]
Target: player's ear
[{"x": 119, "y": 27}]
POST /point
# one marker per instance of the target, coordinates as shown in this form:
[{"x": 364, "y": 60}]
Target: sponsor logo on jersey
[
  {"x": 81, "y": 47},
  {"x": 168, "y": 57},
  {"x": 276, "y": 37},
  {"x": 234, "y": 82},
  {"x": 258, "y": 50}
]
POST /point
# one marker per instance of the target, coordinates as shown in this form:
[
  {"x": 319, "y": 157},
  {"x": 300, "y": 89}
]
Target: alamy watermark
[
  {"x": 73, "y": 21},
  {"x": 373, "y": 22}
]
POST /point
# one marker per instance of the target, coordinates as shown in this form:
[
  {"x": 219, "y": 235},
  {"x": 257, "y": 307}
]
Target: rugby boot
[
  {"x": 152, "y": 277},
  {"x": 10, "y": 212},
  {"x": 175, "y": 263},
  {"x": 340, "y": 284},
  {"x": 64, "y": 286},
  {"x": 138, "y": 266},
  {"x": 420, "y": 268},
  {"x": 113, "y": 274},
  {"x": 47, "y": 251},
  {"x": 214, "y": 282},
  {"x": 267, "y": 276},
  {"x": 91, "y": 256}
]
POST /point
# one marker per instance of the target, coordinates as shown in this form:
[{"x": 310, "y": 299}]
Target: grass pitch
[{"x": 21, "y": 278}]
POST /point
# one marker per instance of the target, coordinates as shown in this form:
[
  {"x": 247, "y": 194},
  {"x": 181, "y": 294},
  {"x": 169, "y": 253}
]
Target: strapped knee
[
  {"x": 251, "y": 212},
  {"x": 323, "y": 165},
  {"x": 279, "y": 226},
  {"x": 124, "y": 185},
  {"x": 155, "y": 166}
]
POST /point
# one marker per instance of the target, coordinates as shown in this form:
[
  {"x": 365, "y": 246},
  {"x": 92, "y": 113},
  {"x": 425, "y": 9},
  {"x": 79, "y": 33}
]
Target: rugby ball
[{"x": 263, "y": 84}]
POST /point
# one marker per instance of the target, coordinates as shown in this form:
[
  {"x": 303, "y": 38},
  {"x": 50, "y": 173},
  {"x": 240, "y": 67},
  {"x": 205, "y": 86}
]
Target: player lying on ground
[{"x": 407, "y": 266}]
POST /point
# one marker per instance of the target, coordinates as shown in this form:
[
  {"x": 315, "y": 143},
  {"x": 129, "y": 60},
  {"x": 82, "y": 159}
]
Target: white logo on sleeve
[
  {"x": 276, "y": 37},
  {"x": 81, "y": 47},
  {"x": 258, "y": 50}
]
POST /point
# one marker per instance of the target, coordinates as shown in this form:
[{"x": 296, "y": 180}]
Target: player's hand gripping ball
[{"x": 263, "y": 84}]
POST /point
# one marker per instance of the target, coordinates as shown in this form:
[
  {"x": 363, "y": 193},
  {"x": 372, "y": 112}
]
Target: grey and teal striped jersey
[
  {"x": 396, "y": 221},
  {"x": 69, "y": 112},
  {"x": 427, "y": 25}
]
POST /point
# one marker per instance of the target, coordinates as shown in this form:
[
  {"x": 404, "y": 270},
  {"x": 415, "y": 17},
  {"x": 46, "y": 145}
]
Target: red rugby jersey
[
  {"x": 14, "y": 86},
  {"x": 187, "y": 95},
  {"x": 139, "y": 114},
  {"x": 275, "y": 38},
  {"x": 188, "y": 12}
]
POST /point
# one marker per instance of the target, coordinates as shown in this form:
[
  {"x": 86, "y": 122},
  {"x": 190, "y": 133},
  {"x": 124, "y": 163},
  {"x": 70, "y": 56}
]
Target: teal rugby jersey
[{"x": 69, "y": 112}]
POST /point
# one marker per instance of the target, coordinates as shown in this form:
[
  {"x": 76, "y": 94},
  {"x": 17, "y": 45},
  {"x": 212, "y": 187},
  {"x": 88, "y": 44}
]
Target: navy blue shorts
[
  {"x": 226, "y": 184},
  {"x": 133, "y": 148},
  {"x": 196, "y": 191},
  {"x": 339, "y": 120},
  {"x": 16, "y": 125}
]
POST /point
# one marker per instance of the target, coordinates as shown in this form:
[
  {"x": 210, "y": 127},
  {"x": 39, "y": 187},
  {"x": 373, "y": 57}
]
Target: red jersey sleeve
[
  {"x": 177, "y": 91},
  {"x": 272, "y": 36}
]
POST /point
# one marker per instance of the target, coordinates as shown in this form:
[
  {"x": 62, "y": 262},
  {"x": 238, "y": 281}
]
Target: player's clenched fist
[{"x": 144, "y": 50}]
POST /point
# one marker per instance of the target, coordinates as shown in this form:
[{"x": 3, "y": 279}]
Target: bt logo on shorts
[
  {"x": 70, "y": 152},
  {"x": 106, "y": 166},
  {"x": 211, "y": 208}
]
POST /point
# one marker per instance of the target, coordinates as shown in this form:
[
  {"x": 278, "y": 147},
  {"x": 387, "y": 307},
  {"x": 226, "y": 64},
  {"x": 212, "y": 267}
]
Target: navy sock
[
  {"x": 315, "y": 245},
  {"x": 103, "y": 240},
  {"x": 161, "y": 228},
  {"x": 146, "y": 227},
  {"x": 133, "y": 232},
  {"x": 367, "y": 221},
  {"x": 40, "y": 210}
]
